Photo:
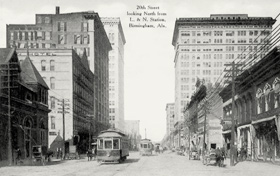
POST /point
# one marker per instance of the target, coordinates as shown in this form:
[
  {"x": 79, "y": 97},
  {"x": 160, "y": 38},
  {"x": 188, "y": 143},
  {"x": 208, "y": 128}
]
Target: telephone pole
[
  {"x": 63, "y": 104},
  {"x": 234, "y": 71},
  {"x": 204, "y": 131},
  {"x": 8, "y": 81}
]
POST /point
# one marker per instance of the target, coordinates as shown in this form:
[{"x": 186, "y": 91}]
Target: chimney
[{"x": 57, "y": 10}]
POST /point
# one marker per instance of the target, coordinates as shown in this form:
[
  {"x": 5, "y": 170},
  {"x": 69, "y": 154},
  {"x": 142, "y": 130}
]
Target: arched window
[
  {"x": 43, "y": 65},
  {"x": 52, "y": 65},
  {"x": 52, "y": 102},
  {"x": 259, "y": 100},
  {"x": 27, "y": 137},
  {"x": 276, "y": 89},
  {"x": 52, "y": 83},
  {"x": 267, "y": 95}
]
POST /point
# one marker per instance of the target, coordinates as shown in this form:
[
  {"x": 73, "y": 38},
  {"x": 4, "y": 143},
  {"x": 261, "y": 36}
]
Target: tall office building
[
  {"x": 203, "y": 45},
  {"x": 115, "y": 34},
  {"x": 81, "y": 31},
  {"x": 169, "y": 118}
]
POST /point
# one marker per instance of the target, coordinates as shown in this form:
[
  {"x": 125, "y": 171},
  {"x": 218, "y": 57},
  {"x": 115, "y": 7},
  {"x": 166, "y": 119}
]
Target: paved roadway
[{"x": 167, "y": 164}]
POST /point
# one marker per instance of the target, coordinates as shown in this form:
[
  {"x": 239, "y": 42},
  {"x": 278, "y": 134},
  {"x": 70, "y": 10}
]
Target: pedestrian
[
  {"x": 18, "y": 154},
  {"x": 218, "y": 156},
  {"x": 57, "y": 153},
  {"x": 235, "y": 154},
  {"x": 89, "y": 154}
]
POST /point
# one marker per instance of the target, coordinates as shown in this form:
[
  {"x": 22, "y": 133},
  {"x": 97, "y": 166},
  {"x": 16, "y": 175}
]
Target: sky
[{"x": 149, "y": 55}]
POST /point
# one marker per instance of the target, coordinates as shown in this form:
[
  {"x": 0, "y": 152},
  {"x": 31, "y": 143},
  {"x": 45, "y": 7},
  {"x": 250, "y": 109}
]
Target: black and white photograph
[{"x": 139, "y": 88}]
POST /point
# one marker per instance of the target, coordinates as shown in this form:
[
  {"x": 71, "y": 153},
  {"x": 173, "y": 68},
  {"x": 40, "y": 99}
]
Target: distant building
[
  {"x": 115, "y": 33},
  {"x": 81, "y": 31},
  {"x": 28, "y": 105},
  {"x": 69, "y": 77},
  {"x": 203, "y": 45},
  {"x": 132, "y": 129},
  {"x": 169, "y": 118}
]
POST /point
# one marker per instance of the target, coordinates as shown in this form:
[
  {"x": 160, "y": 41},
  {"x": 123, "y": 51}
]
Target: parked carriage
[
  {"x": 39, "y": 154},
  {"x": 112, "y": 146},
  {"x": 146, "y": 147}
]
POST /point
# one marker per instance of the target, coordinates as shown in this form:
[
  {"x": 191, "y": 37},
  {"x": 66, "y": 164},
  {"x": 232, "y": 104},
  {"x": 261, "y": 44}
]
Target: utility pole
[
  {"x": 9, "y": 119},
  {"x": 63, "y": 104},
  {"x": 8, "y": 84},
  {"x": 234, "y": 70},
  {"x": 204, "y": 131}
]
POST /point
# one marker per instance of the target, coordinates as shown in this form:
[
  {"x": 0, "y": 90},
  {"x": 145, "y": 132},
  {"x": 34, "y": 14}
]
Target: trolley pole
[{"x": 233, "y": 148}]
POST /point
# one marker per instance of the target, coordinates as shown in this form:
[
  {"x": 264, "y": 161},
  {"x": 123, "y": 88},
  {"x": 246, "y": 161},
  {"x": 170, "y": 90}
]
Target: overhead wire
[{"x": 221, "y": 81}]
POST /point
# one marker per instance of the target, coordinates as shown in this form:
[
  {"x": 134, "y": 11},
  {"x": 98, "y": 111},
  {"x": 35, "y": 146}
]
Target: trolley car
[
  {"x": 146, "y": 147},
  {"x": 112, "y": 146}
]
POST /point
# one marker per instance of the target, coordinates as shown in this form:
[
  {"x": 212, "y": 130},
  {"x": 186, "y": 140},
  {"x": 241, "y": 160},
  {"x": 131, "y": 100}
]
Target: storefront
[{"x": 266, "y": 141}]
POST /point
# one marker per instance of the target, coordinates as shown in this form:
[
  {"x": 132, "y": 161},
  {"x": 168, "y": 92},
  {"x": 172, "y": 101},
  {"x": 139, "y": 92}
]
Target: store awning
[
  {"x": 244, "y": 126},
  {"x": 226, "y": 132},
  {"x": 263, "y": 120}
]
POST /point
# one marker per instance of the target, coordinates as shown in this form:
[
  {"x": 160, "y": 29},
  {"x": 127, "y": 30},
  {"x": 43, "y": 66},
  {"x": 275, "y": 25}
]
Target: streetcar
[
  {"x": 146, "y": 147},
  {"x": 112, "y": 146}
]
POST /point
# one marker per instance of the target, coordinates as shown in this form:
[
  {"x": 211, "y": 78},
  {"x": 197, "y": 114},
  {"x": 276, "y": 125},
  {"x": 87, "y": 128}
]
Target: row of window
[
  {"x": 31, "y": 35},
  {"x": 205, "y": 72},
  {"x": 227, "y": 33},
  {"x": 52, "y": 82},
  {"x": 218, "y": 41},
  {"x": 44, "y": 65}
]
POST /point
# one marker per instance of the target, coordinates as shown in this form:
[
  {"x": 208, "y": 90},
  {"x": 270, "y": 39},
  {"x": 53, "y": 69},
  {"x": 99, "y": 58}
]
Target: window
[
  {"x": 52, "y": 83},
  {"x": 85, "y": 39},
  {"x": 39, "y": 19},
  {"x": 77, "y": 39},
  {"x": 100, "y": 144},
  {"x": 116, "y": 144},
  {"x": 108, "y": 144},
  {"x": 61, "y": 26},
  {"x": 48, "y": 35},
  {"x": 52, "y": 65},
  {"x": 47, "y": 20},
  {"x": 12, "y": 36},
  {"x": 43, "y": 65},
  {"x": 52, "y": 122},
  {"x": 52, "y": 102},
  {"x": 62, "y": 39},
  {"x": 84, "y": 26}
]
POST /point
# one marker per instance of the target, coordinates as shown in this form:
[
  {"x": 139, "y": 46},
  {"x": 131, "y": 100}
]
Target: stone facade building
[
  {"x": 203, "y": 45},
  {"x": 116, "y": 37}
]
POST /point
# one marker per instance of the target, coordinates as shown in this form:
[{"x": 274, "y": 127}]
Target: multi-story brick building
[
  {"x": 203, "y": 45},
  {"x": 23, "y": 100},
  {"x": 115, "y": 33},
  {"x": 257, "y": 109},
  {"x": 81, "y": 31}
]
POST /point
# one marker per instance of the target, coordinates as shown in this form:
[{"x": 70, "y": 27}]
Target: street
[{"x": 166, "y": 164}]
